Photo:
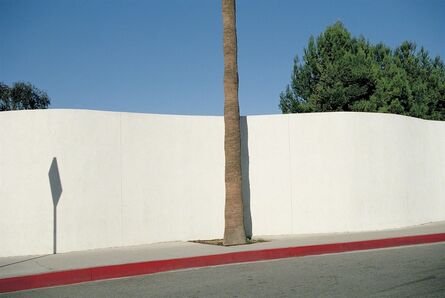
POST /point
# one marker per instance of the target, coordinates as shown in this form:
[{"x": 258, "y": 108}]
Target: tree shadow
[
  {"x": 56, "y": 192},
  {"x": 245, "y": 176}
]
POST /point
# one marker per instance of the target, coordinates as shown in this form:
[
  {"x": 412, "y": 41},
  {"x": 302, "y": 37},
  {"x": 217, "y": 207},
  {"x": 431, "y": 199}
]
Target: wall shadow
[
  {"x": 245, "y": 176},
  {"x": 56, "y": 191}
]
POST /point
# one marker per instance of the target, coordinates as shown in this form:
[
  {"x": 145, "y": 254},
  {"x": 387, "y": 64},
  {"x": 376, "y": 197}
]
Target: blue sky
[{"x": 165, "y": 56}]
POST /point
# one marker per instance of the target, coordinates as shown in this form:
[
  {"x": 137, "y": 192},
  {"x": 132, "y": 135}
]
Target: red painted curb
[{"x": 114, "y": 271}]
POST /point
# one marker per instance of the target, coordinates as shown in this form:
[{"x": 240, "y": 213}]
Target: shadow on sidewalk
[{"x": 22, "y": 261}]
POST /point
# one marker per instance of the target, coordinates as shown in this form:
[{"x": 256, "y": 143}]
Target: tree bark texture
[{"x": 234, "y": 232}]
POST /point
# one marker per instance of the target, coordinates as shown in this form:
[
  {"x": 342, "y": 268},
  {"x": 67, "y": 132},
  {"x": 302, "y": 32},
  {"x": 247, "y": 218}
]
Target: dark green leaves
[
  {"x": 344, "y": 73},
  {"x": 22, "y": 96}
]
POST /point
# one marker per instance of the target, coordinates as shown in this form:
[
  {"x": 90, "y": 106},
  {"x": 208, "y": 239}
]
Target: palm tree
[{"x": 234, "y": 232}]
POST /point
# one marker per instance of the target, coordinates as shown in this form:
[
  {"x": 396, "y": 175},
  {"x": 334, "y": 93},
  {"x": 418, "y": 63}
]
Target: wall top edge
[
  {"x": 89, "y": 111},
  {"x": 296, "y": 115}
]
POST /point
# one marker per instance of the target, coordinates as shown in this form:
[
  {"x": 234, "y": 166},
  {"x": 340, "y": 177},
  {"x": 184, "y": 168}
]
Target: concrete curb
[{"x": 125, "y": 270}]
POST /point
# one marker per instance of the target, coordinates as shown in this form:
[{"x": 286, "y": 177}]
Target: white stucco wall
[
  {"x": 126, "y": 179},
  {"x": 130, "y": 179},
  {"x": 172, "y": 178},
  {"x": 341, "y": 172}
]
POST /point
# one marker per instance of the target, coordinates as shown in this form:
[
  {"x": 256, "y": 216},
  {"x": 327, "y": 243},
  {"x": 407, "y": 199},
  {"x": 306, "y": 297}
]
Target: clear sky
[{"x": 165, "y": 56}]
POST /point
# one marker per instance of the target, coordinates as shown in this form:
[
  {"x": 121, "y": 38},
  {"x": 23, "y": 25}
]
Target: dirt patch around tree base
[{"x": 220, "y": 241}]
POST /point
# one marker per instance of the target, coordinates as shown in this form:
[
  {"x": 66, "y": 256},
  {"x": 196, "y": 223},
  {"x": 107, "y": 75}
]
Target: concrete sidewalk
[{"x": 192, "y": 254}]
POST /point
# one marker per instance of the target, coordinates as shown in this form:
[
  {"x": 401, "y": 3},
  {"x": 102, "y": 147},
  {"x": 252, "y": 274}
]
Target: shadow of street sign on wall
[{"x": 56, "y": 192}]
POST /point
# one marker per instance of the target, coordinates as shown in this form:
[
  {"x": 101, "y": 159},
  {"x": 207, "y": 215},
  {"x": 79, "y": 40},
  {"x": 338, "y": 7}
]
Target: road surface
[{"x": 415, "y": 271}]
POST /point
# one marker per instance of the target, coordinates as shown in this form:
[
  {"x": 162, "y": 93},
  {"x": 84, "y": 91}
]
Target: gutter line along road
[{"x": 413, "y": 271}]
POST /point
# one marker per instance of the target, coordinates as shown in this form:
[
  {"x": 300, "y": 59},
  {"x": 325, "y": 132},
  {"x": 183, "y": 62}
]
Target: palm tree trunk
[{"x": 234, "y": 232}]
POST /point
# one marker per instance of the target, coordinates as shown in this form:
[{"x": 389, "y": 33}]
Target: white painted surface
[
  {"x": 345, "y": 172},
  {"x": 130, "y": 179},
  {"x": 172, "y": 178},
  {"x": 269, "y": 173}
]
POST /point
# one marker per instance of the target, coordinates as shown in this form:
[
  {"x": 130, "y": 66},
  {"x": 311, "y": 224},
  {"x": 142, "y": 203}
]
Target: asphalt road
[{"x": 416, "y": 271}]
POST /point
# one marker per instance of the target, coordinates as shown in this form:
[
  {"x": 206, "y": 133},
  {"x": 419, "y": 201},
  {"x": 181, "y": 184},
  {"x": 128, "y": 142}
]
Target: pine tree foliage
[{"x": 340, "y": 72}]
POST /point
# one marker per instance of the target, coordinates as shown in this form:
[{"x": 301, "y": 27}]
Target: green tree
[
  {"x": 22, "y": 96},
  {"x": 340, "y": 72}
]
